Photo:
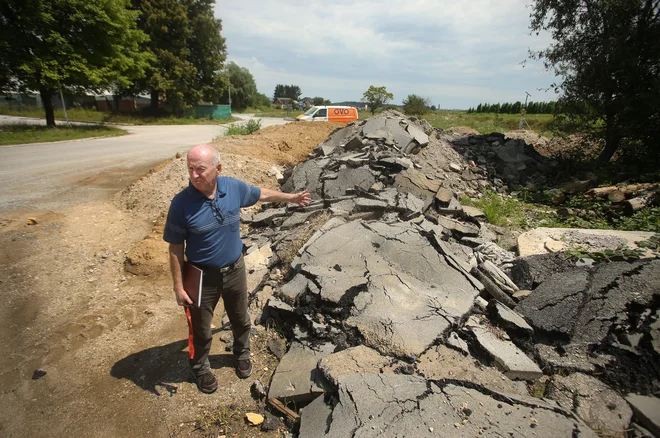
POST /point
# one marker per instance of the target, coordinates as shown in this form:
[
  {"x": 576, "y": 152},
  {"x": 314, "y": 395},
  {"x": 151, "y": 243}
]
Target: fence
[{"x": 210, "y": 112}]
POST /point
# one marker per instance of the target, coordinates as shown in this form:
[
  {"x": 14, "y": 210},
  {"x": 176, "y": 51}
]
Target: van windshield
[{"x": 311, "y": 111}]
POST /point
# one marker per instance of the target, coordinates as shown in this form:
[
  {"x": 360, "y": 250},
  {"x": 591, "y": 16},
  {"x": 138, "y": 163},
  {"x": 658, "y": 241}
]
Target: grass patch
[
  {"x": 22, "y": 134},
  {"x": 273, "y": 112},
  {"x": 486, "y": 123},
  {"x": 251, "y": 126},
  {"x": 644, "y": 220},
  {"x": 518, "y": 213},
  {"x": 503, "y": 211},
  {"x": 218, "y": 419},
  {"x": 94, "y": 116}
]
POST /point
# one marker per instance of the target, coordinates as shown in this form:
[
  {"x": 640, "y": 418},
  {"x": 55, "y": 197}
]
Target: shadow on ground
[{"x": 160, "y": 369}]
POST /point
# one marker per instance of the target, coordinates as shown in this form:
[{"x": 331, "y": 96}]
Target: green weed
[
  {"x": 539, "y": 388},
  {"x": 647, "y": 219},
  {"x": 499, "y": 210},
  {"x": 217, "y": 419},
  {"x": 621, "y": 253},
  {"x": 251, "y": 126}
]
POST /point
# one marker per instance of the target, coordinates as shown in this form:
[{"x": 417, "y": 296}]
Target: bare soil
[
  {"x": 88, "y": 300},
  {"x": 557, "y": 146},
  {"x": 462, "y": 130}
]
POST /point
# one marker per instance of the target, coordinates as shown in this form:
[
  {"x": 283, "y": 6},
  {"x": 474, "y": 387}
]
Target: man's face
[{"x": 202, "y": 172}]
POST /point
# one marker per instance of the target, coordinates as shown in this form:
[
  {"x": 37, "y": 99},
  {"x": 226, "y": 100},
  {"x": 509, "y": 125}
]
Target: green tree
[
  {"x": 262, "y": 100},
  {"x": 171, "y": 75},
  {"x": 290, "y": 91},
  {"x": 47, "y": 45},
  {"x": 318, "y": 101},
  {"x": 416, "y": 105},
  {"x": 208, "y": 50},
  {"x": 279, "y": 92},
  {"x": 243, "y": 87},
  {"x": 376, "y": 97},
  {"x": 607, "y": 56}
]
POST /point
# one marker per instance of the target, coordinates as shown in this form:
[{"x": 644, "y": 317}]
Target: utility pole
[
  {"x": 522, "y": 114},
  {"x": 228, "y": 83},
  {"x": 229, "y": 88}
]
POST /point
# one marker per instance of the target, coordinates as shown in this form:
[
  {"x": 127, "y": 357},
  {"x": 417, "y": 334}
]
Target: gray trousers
[{"x": 232, "y": 287}]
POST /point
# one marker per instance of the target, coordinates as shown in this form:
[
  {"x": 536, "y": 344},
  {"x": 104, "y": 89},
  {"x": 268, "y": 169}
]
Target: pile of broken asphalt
[{"x": 406, "y": 319}]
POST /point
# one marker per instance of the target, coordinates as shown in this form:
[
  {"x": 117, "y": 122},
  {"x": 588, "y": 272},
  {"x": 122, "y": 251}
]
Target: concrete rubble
[
  {"x": 406, "y": 318},
  {"x": 546, "y": 240},
  {"x": 647, "y": 409}
]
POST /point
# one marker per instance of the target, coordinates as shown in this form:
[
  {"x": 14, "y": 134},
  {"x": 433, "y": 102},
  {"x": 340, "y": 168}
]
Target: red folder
[{"x": 192, "y": 283}]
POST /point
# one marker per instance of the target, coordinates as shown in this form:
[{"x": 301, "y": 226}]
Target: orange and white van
[{"x": 342, "y": 114}]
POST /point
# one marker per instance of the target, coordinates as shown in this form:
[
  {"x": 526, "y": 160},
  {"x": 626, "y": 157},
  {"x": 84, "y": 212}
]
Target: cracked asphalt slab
[
  {"x": 583, "y": 305},
  {"x": 407, "y": 294},
  {"x": 600, "y": 320},
  {"x": 391, "y": 405}
]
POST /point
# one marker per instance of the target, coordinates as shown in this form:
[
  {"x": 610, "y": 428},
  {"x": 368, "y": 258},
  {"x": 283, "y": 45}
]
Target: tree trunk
[
  {"x": 116, "y": 98},
  {"x": 107, "y": 102},
  {"x": 600, "y": 192},
  {"x": 154, "y": 101},
  {"x": 612, "y": 133},
  {"x": 47, "y": 100},
  {"x": 636, "y": 204},
  {"x": 612, "y": 141},
  {"x": 616, "y": 196}
]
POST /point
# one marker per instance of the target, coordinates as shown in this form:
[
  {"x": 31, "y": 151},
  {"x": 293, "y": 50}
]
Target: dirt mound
[
  {"x": 462, "y": 130},
  {"x": 283, "y": 144},
  {"x": 152, "y": 193},
  {"x": 533, "y": 138},
  {"x": 557, "y": 146}
]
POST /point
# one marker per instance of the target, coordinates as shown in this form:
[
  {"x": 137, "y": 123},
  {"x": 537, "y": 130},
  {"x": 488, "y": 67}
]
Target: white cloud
[{"x": 455, "y": 52}]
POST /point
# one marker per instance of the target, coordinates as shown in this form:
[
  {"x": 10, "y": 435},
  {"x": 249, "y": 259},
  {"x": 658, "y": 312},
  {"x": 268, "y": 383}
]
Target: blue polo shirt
[{"x": 210, "y": 227}]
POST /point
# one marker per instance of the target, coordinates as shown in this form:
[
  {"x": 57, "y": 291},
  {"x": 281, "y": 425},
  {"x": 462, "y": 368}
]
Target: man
[{"x": 205, "y": 217}]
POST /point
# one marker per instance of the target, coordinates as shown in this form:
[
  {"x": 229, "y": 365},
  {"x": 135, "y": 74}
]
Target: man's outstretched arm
[{"x": 301, "y": 198}]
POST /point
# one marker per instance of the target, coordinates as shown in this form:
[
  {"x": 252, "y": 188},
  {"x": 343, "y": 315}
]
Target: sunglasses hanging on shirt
[{"x": 217, "y": 212}]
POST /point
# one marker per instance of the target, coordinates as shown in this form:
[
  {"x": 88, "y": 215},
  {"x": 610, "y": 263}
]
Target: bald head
[
  {"x": 205, "y": 153},
  {"x": 204, "y": 167}
]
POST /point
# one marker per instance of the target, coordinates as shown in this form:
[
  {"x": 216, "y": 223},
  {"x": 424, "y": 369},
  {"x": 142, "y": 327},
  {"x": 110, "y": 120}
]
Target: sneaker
[
  {"x": 207, "y": 383},
  {"x": 244, "y": 368}
]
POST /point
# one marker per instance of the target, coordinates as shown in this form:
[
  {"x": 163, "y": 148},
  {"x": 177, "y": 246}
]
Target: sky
[{"x": 457, "y": 53}]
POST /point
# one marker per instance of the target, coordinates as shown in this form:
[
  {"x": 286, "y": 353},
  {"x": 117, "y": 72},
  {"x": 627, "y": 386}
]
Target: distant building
[
  {"x": 283, "y": 102},
  {"x": 308, "y": 102},
  {"x": 107, "y": 101}
]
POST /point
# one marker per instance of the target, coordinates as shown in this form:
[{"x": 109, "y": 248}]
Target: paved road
[{"x": 34, "y": 175}]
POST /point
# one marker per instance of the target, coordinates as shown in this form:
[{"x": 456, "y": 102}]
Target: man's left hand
[{"x": 302, "y": 198}]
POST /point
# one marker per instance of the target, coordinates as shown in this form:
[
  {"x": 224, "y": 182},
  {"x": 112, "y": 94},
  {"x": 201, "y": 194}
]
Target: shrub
[
  {"x": 416, "y": 105},
  {"x": 251, "y": 126}
]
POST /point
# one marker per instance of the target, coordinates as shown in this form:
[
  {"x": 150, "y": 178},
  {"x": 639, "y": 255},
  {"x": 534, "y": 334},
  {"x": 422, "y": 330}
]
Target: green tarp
[{"x": 210, "y": 112}]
